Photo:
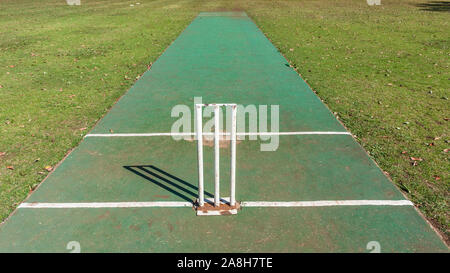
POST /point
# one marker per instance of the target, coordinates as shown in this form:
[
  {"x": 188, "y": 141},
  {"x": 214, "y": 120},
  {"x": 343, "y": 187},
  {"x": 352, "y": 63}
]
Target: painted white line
[
  {"x": 328, "y": 203},
  {"x": 105, "y": 205},
  {"x": 223, "y": 134},
  {"x": 325, "y": 203},
  {"x": 139, "y": 135},
  {"x": 292, "y": 133}
]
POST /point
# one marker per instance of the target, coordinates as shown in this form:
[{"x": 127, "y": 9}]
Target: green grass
[{"x": 383, "y": 70}]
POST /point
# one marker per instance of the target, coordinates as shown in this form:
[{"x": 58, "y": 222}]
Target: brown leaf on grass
[
  {"x": 2, "y": 153},
  {"x": 416, "y": 159},
  {"x": 436, "y": 177},
  {"x": 291, "y": 49},
  {"x": 111, "y": 131},
  {"x": 404, "y": 152},
  {"x": 82, "y": 129},
  {"x": 48, "y": 168},
  {"x": 11, "y": 66},
  {"x": 446, "y": 150},
  {"x": 10, "y": 167},
  {"x": 1, "y": 86},
  {"x": 34, "y": 54}
]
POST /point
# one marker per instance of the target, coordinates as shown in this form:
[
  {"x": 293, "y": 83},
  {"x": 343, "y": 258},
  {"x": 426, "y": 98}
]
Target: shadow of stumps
[{"x": 167, "y": 181}]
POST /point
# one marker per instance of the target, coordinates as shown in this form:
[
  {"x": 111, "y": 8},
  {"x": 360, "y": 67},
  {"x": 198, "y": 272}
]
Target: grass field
[{"x": 383, "y": 70}]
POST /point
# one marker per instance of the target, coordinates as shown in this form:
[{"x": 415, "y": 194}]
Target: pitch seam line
[
  {"x": 322, "y": 203},
  {"x": 226, "y": 134}
]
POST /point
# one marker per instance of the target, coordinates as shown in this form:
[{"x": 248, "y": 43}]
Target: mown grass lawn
[{"x": 383, "y": 70}]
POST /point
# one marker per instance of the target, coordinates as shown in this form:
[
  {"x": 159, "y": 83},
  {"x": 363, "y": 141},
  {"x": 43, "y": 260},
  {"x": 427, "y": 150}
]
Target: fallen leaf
[
  {"x": 403, "y": 187},
  {"x": 446, "y": 150},
  {"x": 2, "y": 153},
  {"x": 111, "y": 131},
  {"x": 404, "y": 152},
  {"x": 41, "y": 173},
  {"x": 436, "y": 177},
  {"x": 82, "y": 129},
  {"x": 10, "y": 167},
  {"x": 1, "y": 86},
  {"x": 11, "y": 66},
  {"x": 291, "y": 49},
  {"x": 416, "y": 159},
  {"x": 48, "y": 168}
]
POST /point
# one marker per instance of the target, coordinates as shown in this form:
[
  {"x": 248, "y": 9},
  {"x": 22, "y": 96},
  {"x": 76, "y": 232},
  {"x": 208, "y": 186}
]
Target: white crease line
[
  {"x": 328, "y": 203},
  {"x": 105, "y": 205},
  {"x": 223, "y": 134},
  {"x": 243, "y": 204}
]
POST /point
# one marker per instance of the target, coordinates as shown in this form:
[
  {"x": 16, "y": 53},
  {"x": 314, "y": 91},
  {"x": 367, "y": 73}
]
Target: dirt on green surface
[{"x": 382, "y": 69}]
